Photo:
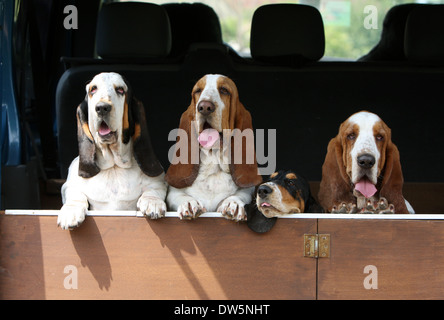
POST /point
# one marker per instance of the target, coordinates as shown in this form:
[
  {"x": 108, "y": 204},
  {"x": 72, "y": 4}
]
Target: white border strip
[
  {"x": 98, "y": 213},
  {"x": 172, "y": 214}
]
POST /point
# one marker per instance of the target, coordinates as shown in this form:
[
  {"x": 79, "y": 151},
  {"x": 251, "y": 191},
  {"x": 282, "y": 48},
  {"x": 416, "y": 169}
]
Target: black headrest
[
  {"x": 192, "y": 23},
  {"x": 285, "y": 31},
  {"x": 391, "y": 45},
  {"x": 133, "y": 30},
  {"x": 424, "y": 35}
]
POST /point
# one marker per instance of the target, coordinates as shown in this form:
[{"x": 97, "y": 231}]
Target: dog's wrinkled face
[
  {"x": 212, "y": 96},
  {"x": 107, "y": 100},
  {"x": 364, "y": 138},
  {"x": 282, "y": 194}
]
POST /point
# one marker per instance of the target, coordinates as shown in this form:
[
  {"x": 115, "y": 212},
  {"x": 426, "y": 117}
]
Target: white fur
[
  {"x": 409, "y": 207},
  {"x": 211, "y": 93},
  {"x": 213, "y": 190},
  {"x": 106, "y": 84},
  {"x": 365, "y": 144},
  {"x": 120, "y": 184}
]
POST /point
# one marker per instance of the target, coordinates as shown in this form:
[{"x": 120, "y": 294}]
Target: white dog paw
[
  {"x": 190, "y": 209},
  {"x": 232, "y": 208},
  {"x": 71, "y": 216},
  {"x": 152, "y": 207}
]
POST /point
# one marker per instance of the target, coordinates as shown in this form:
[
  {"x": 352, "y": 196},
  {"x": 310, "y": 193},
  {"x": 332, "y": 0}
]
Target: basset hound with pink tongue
[
  {"x": 213, "y": 167},
  {"x": 117, "y": 168},
  {"x": 362, "y": 169}
]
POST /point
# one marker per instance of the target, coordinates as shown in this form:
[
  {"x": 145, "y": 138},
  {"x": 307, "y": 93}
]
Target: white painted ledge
[{"x": 171, "y": 214}]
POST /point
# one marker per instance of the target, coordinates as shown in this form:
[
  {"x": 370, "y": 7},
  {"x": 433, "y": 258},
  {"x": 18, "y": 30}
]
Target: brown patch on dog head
[
  {"x": 273, "y": 175},
  {"x": 86, "y": 131},
  {"x": 348, "y": 133},
  {"x": 291, "y": 204},
  {"x": 125, "y": 119},
  {"x": 291, "y": 176},
  {"x": 136, "y": 131}
]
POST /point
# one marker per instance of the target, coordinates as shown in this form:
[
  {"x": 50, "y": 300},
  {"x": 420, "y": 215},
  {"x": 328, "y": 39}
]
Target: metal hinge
[{"x": 317, "y": 245}]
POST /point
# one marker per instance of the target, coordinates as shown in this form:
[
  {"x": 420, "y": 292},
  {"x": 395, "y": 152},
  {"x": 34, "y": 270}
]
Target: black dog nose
[
  {"x": 366, "y": 161},
  {"x": 206, "y": 107},
  {"x": 264, "y": 191},
  {"x": 103, "y": 108}
]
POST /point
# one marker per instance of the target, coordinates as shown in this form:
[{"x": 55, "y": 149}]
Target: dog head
[
  {"x": 285, "y": 192},
  {"x": 110, "y": 117},
  {"x": 215, "y": 109}
]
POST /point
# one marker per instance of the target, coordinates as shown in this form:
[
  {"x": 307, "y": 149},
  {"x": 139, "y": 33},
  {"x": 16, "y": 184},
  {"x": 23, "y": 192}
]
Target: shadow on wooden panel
[
  {"x": 89, "y": 246},
  {"x": 135, "y": 258},
  {"x": 241, "y": 264}
]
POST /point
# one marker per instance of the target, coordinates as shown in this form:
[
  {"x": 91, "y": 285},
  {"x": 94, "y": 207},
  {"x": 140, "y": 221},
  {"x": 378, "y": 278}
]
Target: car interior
[{"x": 287, "y": 84}]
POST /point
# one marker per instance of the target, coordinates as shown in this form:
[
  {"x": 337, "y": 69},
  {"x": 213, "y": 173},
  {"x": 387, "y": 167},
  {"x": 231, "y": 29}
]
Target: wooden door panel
[
  {"x": 134, "y": 258},
  {"x": 404, "y": 259}
]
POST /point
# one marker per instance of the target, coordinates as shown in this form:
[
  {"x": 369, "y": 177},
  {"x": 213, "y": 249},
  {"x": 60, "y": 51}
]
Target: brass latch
[{"x": 317, "y": 245}]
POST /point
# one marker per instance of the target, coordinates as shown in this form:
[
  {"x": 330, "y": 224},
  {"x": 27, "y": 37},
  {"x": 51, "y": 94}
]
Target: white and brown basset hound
[
  {"x": 210, "y": 177},
  {"x": 117, "y": 168},
  {"x": 362, "y": 170}
]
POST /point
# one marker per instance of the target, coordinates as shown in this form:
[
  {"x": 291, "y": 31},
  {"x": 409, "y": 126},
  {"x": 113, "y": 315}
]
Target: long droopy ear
[
  {"x": 392, "y": 182},
  {"x": 244, "y": 172},
  {"x": 143, "y": 150},
  {"x": 180, "y": 174},
  {"x": 87, "y": 148},
  {"x": 334, "y": 186}
]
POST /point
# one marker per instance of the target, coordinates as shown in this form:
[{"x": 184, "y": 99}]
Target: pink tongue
[
  {"x": 265, "y": 204},
  {"x": 208, "y": 138},
  {"x": 104, "y": 129},
  {"x": 365, "y": 187}
]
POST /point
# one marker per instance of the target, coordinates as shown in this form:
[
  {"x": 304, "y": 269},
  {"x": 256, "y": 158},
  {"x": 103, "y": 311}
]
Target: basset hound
[
  {"x": 362, "y": 170},
  {"x": 117, "y": 168},
  {"x": 285, "y": 192},
  {"x": 213, "y": 168}
]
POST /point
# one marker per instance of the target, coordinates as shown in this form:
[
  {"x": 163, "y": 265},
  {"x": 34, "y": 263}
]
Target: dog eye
[
  {"x": 120, "y": 91},
  {"x": 379, "y": 137},
  {"x": 93, "y": 90},
  {"x": 198, "y": 90},
  {"x": 224, "y": 91},
  {"x": 351, "y": 136},
  {"x": 290, "y": 183}
]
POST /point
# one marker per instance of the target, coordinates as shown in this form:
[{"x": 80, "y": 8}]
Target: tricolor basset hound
[
  {"x": 219, "y": 171},
  {"x": 285, "y": 192},
  {"x": 362, "y": 170},
  {"x": 117, "y": 168}
]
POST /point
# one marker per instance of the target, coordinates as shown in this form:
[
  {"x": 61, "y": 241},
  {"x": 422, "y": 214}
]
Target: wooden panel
[
  {"x": 133, "y": 258},
  {"x": 408, "y": 259}
]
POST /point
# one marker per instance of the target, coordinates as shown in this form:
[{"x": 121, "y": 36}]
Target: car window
[{"x": 352, "y": 27}]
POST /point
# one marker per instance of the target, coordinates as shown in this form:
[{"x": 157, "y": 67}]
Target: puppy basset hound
[
  {"x": 117, "y": 168},
  {"x": 362, "y": 170},
  {"x": 219, "y": 171},
  {"x": 285, "y": 192}
]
